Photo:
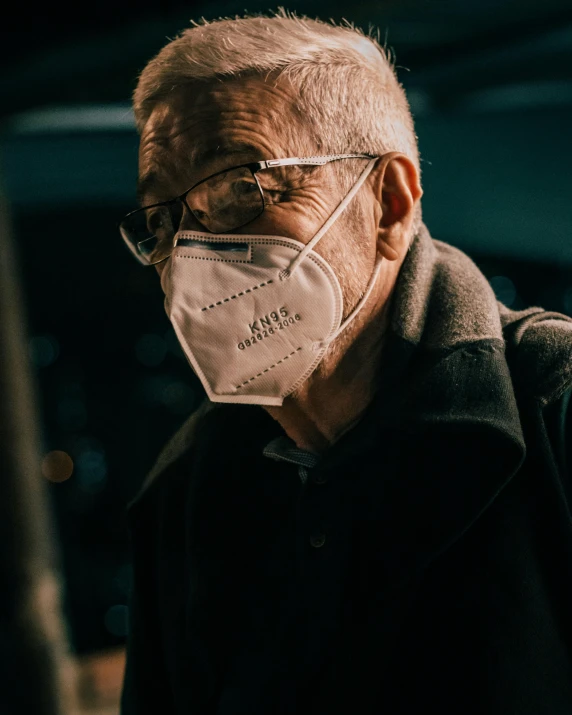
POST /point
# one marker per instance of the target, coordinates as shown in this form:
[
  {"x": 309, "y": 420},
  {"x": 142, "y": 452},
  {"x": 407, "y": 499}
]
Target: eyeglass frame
[{"x": 254, "y": 167}]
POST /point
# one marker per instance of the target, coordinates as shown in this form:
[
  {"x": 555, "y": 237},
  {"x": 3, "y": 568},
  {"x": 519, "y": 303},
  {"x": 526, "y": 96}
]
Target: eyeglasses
[{"x": 221, "y": 203}]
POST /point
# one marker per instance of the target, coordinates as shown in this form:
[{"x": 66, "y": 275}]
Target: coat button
[
  {"x": 319, "y": 478},
  {"x": 318, "y": 539}
]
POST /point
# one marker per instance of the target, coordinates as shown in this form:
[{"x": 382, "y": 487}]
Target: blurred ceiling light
[
  {"x": 506, "y": 51},
  {"x": 107, "y": 117},
  {"x": 419, "y": 101},
  {"x": 524, "y": 95}
]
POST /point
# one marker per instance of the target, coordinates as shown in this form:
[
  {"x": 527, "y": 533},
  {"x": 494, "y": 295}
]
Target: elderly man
[{"x": 369, "y": 513}]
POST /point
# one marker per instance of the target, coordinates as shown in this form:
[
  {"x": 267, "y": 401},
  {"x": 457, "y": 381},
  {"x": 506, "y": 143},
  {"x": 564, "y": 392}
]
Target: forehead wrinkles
[
  {"x": 268, "y": 108},
  {"x": 165, "y": 146}
]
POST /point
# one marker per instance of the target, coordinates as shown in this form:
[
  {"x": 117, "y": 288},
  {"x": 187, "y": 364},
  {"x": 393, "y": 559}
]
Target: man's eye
[
  {"x": 244, "y": 188},
  {"x": 157, "y": 221}
]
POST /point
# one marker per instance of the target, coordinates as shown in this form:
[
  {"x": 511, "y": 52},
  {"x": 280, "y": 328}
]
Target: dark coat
[{"x": 456, "y": 512}]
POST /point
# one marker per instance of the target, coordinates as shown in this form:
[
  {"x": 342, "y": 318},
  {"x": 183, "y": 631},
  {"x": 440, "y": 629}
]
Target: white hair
[{"x": 347, "y": 90}]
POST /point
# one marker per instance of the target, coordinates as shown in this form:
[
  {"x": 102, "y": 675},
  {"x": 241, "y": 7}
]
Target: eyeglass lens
[
  {"x": 226, "y": 201},
  {"x": 221, "y": 204}
]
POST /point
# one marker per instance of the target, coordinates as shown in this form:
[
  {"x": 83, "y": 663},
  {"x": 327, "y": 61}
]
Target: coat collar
[
  {"x": 444, "y": 367},
  {"x": 448, "y": 346}
]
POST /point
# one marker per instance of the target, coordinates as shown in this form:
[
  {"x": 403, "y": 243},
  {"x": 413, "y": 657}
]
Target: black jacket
[{"x": 449, "y": 566}]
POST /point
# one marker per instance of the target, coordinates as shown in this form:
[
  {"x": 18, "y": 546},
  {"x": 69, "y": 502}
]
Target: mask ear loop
[
  {"x": 287, "y": 272},
  {"x": 324, "y": 343}
]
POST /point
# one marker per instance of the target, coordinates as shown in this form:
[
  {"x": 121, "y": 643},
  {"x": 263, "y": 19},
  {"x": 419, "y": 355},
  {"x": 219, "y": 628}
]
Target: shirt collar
[{"x": 283, "y": 449}]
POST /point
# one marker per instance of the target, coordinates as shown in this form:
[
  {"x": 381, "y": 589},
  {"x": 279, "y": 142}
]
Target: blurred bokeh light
[{"x": 57, "y": 466}]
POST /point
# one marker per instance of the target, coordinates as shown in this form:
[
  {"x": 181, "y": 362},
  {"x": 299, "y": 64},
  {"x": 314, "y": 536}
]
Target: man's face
[{"x": 208, "y": 127}]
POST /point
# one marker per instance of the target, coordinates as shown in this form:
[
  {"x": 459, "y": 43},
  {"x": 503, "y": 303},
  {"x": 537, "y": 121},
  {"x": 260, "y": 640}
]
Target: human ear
[{"x": 398, "y": 191}]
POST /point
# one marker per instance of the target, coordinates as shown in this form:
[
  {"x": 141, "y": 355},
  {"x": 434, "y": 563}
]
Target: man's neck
[{"x": 333, "y": 399}]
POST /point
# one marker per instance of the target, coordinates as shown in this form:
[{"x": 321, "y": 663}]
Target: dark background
[{"x": 490, "y": 84}]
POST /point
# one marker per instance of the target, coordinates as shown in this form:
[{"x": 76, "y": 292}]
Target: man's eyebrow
[{"x": 222, "y": 151}]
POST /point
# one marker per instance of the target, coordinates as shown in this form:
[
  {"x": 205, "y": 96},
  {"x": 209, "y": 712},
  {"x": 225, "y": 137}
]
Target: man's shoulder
[
  {"x": 180, "y": 443},
  {"x": 541, "y": 343}
]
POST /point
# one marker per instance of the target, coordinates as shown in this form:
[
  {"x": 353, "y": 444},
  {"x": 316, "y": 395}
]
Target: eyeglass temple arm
[{"x": 311, "y": 160}]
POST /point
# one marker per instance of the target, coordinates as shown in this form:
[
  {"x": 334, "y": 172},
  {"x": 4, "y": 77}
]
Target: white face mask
[{"x": 254, "y": 314}]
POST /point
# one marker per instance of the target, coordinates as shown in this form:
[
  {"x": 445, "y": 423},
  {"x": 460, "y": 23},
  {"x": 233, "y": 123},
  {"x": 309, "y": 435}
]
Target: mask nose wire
[{"x": 287, "y": 272}]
